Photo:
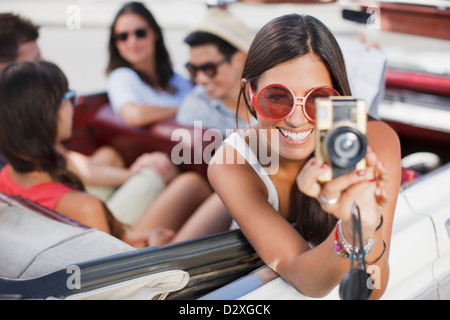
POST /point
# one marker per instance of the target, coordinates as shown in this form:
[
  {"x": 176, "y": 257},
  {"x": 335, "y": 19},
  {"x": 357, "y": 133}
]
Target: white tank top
[{"x": 239, "y": 144}]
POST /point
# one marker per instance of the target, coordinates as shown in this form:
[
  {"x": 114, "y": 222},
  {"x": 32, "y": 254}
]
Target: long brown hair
[
  {"x": 281, "y": 40},
  {"x": 163, "y": 62},
  {"x": 30, "y": 97}
]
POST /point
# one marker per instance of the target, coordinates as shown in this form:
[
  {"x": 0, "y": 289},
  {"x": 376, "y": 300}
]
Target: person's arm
[
  {"x": 85, "y": 209},
  {"x": 376, "y": 198},
  {"x": 279, "y": 245},
  {"x": 95, "y": 174},
  {"x": 314, "y": 272},
  {"x": 104, "y": 174},
  {"x": 139, "y": 115},
  {"x": 386, "y": 145},
  {"x": 125, "y": 94}
]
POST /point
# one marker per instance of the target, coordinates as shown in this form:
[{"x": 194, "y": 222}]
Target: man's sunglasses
[
  {"x": 209, "y": 68},
  {"x": 72, "y": 96},
  {"x": 276, "y": 102},
  {"x": 123, "y": 36}
]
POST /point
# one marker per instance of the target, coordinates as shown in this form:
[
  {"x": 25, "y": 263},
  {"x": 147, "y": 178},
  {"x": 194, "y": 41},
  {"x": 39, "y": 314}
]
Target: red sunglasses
[{"x": 276, "y": 102}]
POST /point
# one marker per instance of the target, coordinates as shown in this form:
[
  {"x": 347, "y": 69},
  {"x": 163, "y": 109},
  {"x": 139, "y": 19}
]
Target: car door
[{"x": 430, "y": 199}]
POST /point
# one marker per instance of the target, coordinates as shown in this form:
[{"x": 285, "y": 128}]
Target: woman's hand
[
  {"x": 148, "y": 238},
  {"x": 364, "y": 188},
  {"x": 157, "y": 161}
]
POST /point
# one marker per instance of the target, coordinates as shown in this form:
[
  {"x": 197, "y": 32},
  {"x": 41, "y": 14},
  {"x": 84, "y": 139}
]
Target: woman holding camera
[{"x": 279, "y": 90}]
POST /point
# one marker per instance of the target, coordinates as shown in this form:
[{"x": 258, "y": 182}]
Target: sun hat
[{"x": 222, "y": 24}]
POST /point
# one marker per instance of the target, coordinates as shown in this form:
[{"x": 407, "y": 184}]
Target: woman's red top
[{"x": 46, "y": 194}]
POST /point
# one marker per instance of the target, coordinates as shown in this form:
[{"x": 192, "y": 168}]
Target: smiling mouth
[{"x": 299, "y": 136}]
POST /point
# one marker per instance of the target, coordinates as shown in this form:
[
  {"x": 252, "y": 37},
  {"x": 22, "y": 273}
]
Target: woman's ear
[
  {"x": 246, "y": 90},
  {"x": 243, "y": 82}
]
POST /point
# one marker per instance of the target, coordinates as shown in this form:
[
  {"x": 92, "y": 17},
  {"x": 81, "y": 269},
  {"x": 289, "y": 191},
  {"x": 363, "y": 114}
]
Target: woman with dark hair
[
  {"x": 34, "y": 117},
  {"x": 290, "y": 59},
  {"x": 142, "y": 85},
  {"x": 36, "y": 109}
]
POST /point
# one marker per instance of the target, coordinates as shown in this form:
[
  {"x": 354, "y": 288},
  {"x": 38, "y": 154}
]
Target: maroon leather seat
[{"x": 109, "y": 128}]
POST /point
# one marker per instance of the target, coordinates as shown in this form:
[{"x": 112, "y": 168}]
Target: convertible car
[{"x": 45, "y": 255}]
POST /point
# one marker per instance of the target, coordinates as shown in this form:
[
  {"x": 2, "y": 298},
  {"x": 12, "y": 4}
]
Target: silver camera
[{"x": 341, "y": 124}]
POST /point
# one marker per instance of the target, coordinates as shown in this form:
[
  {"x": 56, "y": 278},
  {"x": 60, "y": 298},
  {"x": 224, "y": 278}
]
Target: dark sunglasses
[
  {"x": 209, "y": 68},
  {"x": 123, "y": 36},
  {"x": 276, "y": 102}
]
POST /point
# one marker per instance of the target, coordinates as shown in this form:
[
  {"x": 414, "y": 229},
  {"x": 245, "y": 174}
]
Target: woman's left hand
[{"x": 365, "y": 188}]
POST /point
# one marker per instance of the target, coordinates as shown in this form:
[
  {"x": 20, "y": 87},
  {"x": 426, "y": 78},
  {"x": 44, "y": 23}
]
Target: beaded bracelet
[{"x": 345, "y": 249}]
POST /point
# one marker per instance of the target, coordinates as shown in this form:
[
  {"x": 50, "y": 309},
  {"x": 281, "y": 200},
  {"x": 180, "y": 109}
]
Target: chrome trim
[{"x": 242, "y": 286}]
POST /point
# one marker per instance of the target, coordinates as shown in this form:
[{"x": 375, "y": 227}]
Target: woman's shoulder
[
  {"x": 76, "y": 203},
  {"x": 381, "y": 132},
  {"x": 124, "y": 85},
  {"x": 85, "y": 200},
  {"x": 123, "y": 72},
  {"x": 228, "y": 166},
  {"x": 385, "y": 142},
  {"x": 84, "y": 208},
  {"x": 235, "y": 154}
]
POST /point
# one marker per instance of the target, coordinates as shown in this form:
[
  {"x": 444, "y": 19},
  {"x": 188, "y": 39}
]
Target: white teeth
[{"x": 295, "y": 136}]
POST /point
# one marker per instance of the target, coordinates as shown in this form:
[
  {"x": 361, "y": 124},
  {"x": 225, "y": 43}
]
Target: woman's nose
[{"x": 297, "y": 118}]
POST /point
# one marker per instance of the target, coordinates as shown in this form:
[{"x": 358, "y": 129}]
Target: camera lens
[{"x": 346, "y": 146}]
